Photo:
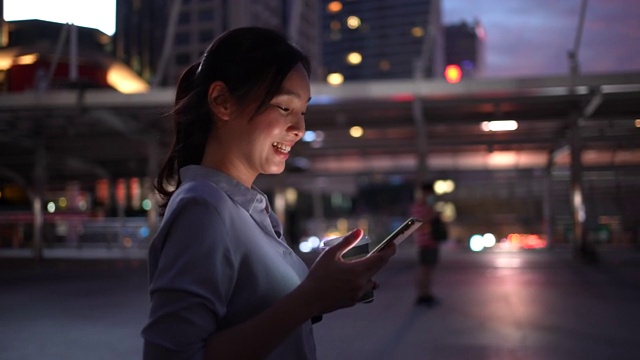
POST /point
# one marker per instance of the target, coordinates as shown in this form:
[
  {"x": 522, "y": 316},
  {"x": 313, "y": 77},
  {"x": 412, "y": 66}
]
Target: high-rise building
[
  {"x": 464, "y": 44},
  {"x": 160, "y": 38},
  {"x": 378, "y": 39},
  {"x": 141, "y": 26}
]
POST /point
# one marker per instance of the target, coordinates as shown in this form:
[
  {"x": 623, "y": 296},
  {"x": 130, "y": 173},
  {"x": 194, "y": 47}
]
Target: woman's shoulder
[
  {"x": 198, "y": 191},
  {"x": 199, "y": 188}
]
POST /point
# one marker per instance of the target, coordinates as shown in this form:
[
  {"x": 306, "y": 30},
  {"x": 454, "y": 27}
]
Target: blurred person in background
[
  {"x": 428, "y": 238},
  {"x": 224, "y": 284}
]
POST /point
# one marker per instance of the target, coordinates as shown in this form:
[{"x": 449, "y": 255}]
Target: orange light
[
  {"x": 453, "y": 74},
  {"x": 123, "y": 79},
  {"x": 334, "y": 7}
]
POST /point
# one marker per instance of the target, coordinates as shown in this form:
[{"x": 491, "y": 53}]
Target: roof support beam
[{"x": 593, "y": 104}]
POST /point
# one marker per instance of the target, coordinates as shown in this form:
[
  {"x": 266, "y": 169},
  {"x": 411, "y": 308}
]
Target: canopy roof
[{"x": 95, "y": 133}]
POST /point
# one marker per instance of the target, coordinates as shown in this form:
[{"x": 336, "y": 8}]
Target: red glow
[
  {"x": 23, "y": 77},
  {"x": 527, "y": 241},
  {"x": 121, "y": 192},
  {"x": 406, "y": 97},
  {"x": 102, "y": 191},
  {"x": 453, "y": 74}
]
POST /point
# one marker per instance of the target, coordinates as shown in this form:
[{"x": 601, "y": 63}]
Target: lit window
[
  {"x": 384, "y": 65},
  {"x": 335, "y": 25},
  {"x": 417, "y": 31},
  {"x": 353, "y": 22},
  {"x": 354, "y": 58}
]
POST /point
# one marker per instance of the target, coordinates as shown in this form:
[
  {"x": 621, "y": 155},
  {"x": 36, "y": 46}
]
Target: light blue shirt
[{"x": 218, "y": 259}]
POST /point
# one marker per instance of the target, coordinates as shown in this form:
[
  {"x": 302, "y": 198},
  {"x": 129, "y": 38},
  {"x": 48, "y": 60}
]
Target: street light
[{"x": 453, "y": 73}]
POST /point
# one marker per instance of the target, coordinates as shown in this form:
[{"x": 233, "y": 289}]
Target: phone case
[{"x": 400, "y": 234}]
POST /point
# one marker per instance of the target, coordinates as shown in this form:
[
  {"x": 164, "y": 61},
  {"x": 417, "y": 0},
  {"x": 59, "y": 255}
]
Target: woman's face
[{"x": 262, "y": 144}]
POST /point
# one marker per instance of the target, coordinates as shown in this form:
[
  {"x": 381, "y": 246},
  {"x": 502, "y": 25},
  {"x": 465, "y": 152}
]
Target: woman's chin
[{"x": 274, "y": 170}]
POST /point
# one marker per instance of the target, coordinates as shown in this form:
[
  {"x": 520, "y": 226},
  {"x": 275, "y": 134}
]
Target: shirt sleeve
[{"x": 192, "y": 276}]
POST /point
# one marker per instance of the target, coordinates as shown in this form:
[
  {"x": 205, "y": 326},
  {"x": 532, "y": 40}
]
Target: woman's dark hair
[{"x": 252, "y": 62}]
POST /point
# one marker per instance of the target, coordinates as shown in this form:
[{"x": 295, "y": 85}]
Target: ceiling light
[
  {"x": 499, "y": 125},
  {"x": 356, "y": 131},
  {"x": 335, "y": 79}
]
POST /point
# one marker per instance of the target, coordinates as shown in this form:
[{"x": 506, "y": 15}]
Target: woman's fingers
[{"x": 347, "y": 242}]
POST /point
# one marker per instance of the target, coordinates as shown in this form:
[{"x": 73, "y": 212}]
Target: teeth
[{"x": 281, "y": 147}]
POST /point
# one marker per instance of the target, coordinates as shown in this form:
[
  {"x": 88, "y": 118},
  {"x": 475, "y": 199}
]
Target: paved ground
[{"x": 534, "y": 305}]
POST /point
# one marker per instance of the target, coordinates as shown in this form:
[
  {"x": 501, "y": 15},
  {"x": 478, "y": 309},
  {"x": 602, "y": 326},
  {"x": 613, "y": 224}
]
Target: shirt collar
[{"x": 248, "y": 198}]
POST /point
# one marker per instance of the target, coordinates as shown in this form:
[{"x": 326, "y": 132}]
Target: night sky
[
  {"x": 532, "y": 37},
  {"x": 524, "y": 37}
]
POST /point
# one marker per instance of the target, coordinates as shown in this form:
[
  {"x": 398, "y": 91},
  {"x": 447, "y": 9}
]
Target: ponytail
[{"x": 192, "y": 124}]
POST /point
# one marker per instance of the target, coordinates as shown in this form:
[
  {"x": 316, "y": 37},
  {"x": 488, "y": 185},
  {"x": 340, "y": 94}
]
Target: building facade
[
  {"x": 161, "y": 38},
  {"x": 141, "y": 26},
  {"x": 382, "y": 39}
]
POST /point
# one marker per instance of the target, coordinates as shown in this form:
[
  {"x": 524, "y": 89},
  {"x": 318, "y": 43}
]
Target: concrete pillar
[
  {"x": 73, "y": 53},
  {"x": 547, "y": 210},
  {"x": 39, "y": 181},
  {"x": 421, "y": 140},
  {"x": 582, "y": 248},
  {"x": 429, "y": 50},
  {"x": 417, "y": 112}
]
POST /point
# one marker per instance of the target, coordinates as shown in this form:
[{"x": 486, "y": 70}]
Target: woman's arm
[{"x": 332, "y": 284}]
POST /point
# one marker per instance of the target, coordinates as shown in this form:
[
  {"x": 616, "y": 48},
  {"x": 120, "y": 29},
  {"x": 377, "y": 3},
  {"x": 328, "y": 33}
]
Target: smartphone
[{"x": 400, "y": 234}]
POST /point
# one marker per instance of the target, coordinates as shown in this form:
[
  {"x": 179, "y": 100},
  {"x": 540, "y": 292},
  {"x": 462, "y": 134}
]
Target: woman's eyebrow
[{"x": 288, "y": 92}]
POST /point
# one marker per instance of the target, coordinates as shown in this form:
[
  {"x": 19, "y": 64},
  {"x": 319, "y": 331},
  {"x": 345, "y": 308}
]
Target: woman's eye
[{"x": 281, "y": 108}]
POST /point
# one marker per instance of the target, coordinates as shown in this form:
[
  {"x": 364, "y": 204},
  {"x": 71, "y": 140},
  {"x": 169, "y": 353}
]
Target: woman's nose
[{"x": 298, "y": 127}]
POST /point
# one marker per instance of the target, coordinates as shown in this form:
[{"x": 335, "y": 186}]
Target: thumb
[{"x": 346, "y": 243}]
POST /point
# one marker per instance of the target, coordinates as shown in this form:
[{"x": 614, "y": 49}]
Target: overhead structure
[
  {"x": 48, "y": 139},
  {"x": 112, "y": 130}
]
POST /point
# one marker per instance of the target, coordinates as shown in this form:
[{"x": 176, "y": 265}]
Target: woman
[{"x": 224, "y": 283}]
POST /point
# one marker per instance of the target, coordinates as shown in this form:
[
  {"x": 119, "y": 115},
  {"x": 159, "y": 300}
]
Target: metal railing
[{"x": 76, "y": 236}]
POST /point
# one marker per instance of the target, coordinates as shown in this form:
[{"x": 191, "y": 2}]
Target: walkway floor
[{"x": 498, "y": 305}]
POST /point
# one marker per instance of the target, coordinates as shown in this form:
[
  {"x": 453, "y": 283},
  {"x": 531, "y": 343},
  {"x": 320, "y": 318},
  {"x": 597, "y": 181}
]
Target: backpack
[{"x": 438, "y": 229}]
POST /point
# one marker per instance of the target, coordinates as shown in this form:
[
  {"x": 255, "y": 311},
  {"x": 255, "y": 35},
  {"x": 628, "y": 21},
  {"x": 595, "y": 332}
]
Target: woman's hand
[{"x": 334, "y": 283}]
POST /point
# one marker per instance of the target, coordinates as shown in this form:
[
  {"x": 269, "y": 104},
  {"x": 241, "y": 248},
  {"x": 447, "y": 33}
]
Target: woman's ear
[{"x": 219, "y": 100}]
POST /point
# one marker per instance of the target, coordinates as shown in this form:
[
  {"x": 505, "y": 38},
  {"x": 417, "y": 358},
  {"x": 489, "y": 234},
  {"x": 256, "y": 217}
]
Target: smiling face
[{"x": 247, "y": 146}]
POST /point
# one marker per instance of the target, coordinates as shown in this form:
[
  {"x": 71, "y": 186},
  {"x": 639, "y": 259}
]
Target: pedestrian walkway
[{"x": 498, "y": 305}]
